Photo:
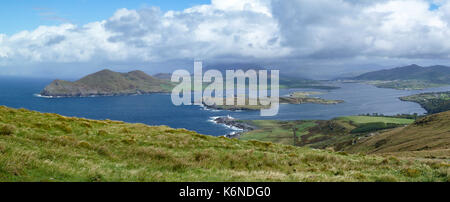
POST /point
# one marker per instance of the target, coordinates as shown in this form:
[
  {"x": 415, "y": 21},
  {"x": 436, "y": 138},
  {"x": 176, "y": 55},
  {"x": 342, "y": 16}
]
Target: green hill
[
  {"x": 49, "y": 147},
  {"x": 107, "y": 82},
  {"x": 432, "y": 102},
  {"x": 411, "y": 77},
  {"x": 426, "y": 136}
]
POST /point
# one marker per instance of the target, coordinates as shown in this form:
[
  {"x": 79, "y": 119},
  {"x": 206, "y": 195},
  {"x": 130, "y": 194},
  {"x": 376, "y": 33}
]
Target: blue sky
[{"x": 19, "y": 15}]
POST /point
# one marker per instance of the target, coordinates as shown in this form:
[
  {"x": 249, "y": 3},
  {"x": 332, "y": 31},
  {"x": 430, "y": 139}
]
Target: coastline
[
  {"x": 88, "y": 96},
  {"x": 238, "y": 126}
]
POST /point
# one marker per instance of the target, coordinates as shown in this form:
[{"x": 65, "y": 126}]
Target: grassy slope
[
  {"x": 431, "y": 133},
  {"x": 50, "y": 147}
]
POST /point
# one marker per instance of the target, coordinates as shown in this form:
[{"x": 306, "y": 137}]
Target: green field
[
  {"x": 372, "y": 119},
  {"x": 49, "y": 147},
  {"x": 277, "y": 131}
]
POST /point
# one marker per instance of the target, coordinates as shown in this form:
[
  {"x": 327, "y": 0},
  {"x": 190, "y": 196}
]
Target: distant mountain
[
  {"x": 163, "y": 76},
  {"x": 107, "y": 82},
  {"x": 435, "y": 74},
  {"x": 287, "y": 80}
]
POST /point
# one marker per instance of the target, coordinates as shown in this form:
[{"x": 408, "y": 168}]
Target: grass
[
  {"x": 430, "y": 135},
  {"x": 277, "y": 131},
  {"x": 372, "y": 119},
  {"x": 49, "y": 147}
]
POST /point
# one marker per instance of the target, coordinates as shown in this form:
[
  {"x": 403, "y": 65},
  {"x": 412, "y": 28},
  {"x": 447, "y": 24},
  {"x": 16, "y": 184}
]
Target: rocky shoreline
[{"x": 240, "y": 126}]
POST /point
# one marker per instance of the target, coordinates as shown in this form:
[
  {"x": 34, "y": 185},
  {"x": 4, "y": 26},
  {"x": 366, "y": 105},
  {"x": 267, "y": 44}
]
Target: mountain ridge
[{"x": 435, "y": 74}]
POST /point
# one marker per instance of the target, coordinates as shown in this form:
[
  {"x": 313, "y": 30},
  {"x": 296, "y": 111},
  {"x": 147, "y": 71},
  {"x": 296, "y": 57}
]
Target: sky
[
  {"x": 310, "y": 38},
  {"x": 29, "y": 14}
]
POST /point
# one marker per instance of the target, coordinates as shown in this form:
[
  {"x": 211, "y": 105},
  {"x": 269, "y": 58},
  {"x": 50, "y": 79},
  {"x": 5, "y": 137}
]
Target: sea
[{"x": 157, "y": 109}]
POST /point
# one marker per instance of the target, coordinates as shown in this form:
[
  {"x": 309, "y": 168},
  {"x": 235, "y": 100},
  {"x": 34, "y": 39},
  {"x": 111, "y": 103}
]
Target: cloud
[
  {"x": 394, "y": 29},
  {"x": 295, "y": 33}
]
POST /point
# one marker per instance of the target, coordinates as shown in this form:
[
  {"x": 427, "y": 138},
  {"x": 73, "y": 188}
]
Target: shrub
[
  {"x": 84, "y": 144},
  {"x": 45, "y": 126},
  {"x": 86, "y": 124},
  {"x": 318, "y": 158},
  {"x": 3, "y": 149},
  {"x": 64, "y": 127},
  {"x": 125, "y": 130},
  {"x": 410, "y": 172},
  {"x": 103, "y": 151},
  {"x": 129, "y": 140},
  {"x": 261, "y": 144},
  {"x": 203, "y": 155},
  {"x": 96, "y": 178},
  {"x": 7, "y": 129},
  {"x": 102, "y": 133},
  {"x": 371, "y": 127}
]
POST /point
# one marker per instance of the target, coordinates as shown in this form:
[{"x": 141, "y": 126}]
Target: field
[
  {"x": 277, "y": 131},
  {"x": 372, "y": 119},
  {"x": 337, "y": 133},
  {"x": 49, "y": 147}
]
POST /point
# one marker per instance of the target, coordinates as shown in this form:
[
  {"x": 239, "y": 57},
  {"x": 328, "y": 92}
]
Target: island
[
  {"x": 293, "y": 98},
  {"x": 305, "y": 97},
  {"x": 108, "y": 83}
]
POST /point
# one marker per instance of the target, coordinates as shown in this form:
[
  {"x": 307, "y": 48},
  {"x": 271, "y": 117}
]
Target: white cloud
[{"x": 256, "y": 30}]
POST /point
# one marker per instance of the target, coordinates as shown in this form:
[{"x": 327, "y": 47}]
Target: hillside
[
  {"x": 434, "y": 74},
  {"x": 107, "y": 82},
  {"x": 430, "y": 134},
  {"x": 49, "y": 147},
  {"x": 337, "y": 133}
]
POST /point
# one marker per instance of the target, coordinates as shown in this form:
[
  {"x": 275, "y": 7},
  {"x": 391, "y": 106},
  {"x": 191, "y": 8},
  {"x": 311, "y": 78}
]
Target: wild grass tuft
[{"x": 7, "y": 129}]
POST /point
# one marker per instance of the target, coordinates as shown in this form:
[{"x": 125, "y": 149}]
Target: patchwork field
[{"x": 321, "y": 134}]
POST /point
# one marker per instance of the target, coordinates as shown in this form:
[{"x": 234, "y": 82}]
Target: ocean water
[{"x": 157, "y": 109}]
